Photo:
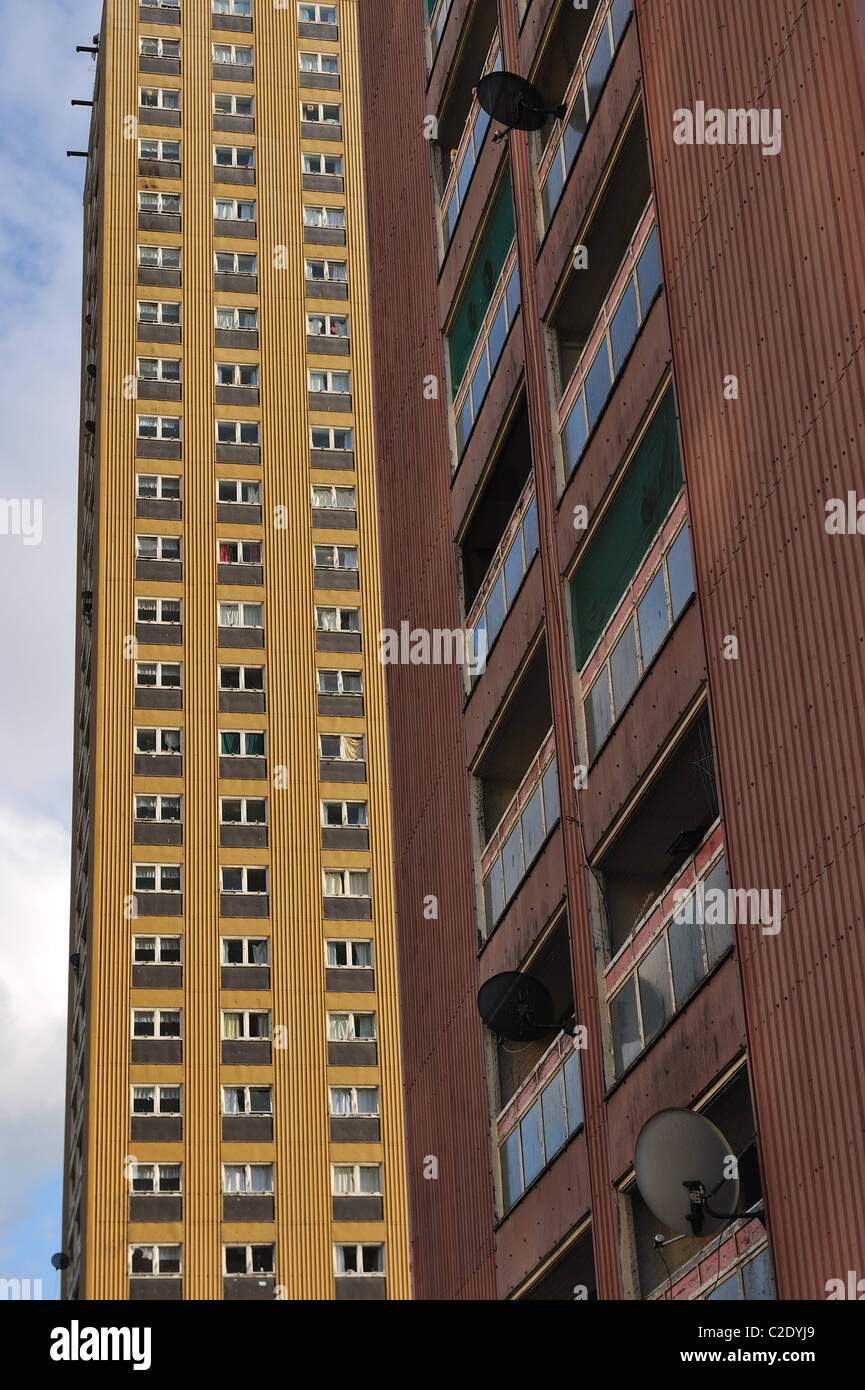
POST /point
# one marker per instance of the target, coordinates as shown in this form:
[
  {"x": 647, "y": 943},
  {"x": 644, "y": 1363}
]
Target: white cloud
[{"x": 34, "y": 964}]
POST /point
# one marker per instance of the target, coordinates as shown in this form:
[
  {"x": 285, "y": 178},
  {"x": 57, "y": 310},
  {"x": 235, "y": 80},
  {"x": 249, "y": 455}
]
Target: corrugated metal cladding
[
  {"x": 304, "y": 1231},
  {"x": 446, "y": 1112},
  {"x": 765, "y": 272}
]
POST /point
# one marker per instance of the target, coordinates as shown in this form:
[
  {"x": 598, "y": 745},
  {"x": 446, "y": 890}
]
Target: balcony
[
  {"x": 510, "y": 564},
  {"x": 540, "y": 1119},
  {"x": 497, "y": 323},
  {"x": 464, "y": 155},
  {"x": 520, "y": 834}
]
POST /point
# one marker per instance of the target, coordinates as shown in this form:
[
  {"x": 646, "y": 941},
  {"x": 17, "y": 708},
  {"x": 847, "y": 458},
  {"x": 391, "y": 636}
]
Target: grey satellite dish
[{"x": 680, "y": 1161}]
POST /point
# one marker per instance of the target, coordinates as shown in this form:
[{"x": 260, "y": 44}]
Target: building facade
[
  {"x": 235, "y": 1119},
  {"x": 619, "y": 383}
]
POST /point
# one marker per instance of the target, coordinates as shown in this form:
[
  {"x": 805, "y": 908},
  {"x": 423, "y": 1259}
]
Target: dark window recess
[
  {"x": 475, "y": 42},
  {"x": 553, "y": 73},
  {"x": 518, "y": 739},
  {"x": 607, "y": 238},
  {"x": 500, "y": 495},
  {"x": 552, "y": 966},
  {"x": 667, "y": 824},
  {"x": 650, "y": 486},
  {"x": 483, "y": 277},
  {"x": 575, "y": 1269}
]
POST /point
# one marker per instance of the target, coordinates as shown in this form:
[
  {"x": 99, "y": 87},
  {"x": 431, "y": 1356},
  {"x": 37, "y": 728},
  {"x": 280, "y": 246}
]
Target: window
[
  {"x": 343, "y": 955},
  {"x": 245, "y": 950},
  {"x": 151, "y": 312},
  {"x": 340, "y": 682},
  {"x": 158, "y": 675},
  {"x": 159, "y": 48},
  {"x": 238, "y": 491},
  {"x": 237, "y": 374},
  {"x": 321, "y": 113},
  {"x": 158, "y": 427},
  {"x": 158, "y": 741},
  {"x": 169, "y": 150},
  {"x": 156, "y": 1100},
  {"x": 248, "y": 1259},
  {"x": 166, "y": 203},
  {"x": 335, "y": 271},
  {"x": 324, "y": 217},
  {"x": 158, "y": 488},
  {"x": 339, "y": 498},
  {"x": 349, "y": 748},
  {"x": 494, "y": 334},
  {"x": 241, "y": 743},
  {"x": 335, "y": 557},
  {"x": 252, "y": 880},
  {"x": 156, "y": 950},
  {"x": 541, "y": 1131},
  {"x": 236, "y": 54},
  {"x": 234, "y": 210},
  {"x": 353, "y": 1100},
  {"x": 149, "y": 807},
  {"x": 342, "y": 814},
  {"x": 487, "y": 266},
  {"x": 159, "y": 257},
  {"x": 166, "y": 98},
  {"x": 159, "y": 369},
  {"x": 338, "y": 383},
  {"x": 158, "y": 610},
  {"x": 247, "y": 1100},
  {"x": 235, "y": 263},
  {"x": 351, "y": 1027},
  {"x": 537, "y": 816},
  {"x": 358, "y": 1259},
  {"x": 321, "y": 437},
  {"x": 245, "y": 1023},
  {"x": 355, "y": 1179},
  {"x": 337, "y": 619},
  {"x": 239, "y": 552},
  {"x": 242, "y": 810},
  {"x": 330, "y": 164},
  {"x": 327, "y": 325},
  {"x": 247, "y": 1179},
  {"x": 234, "y": 156},
  {"x": 241, "y": 7},
  {"x": 319, "y": 62},
  {"x": 241, "y": 615},
  {"x": 241, "y": 678},
  {"x": 346, "y": 883},
  {"x": 156, "y": 1178},
  {"x": 317, "y": 14},
  {"x": 234, "y": 318},
  {"x": 238, "y": 432},
  {"x": 157, "y": 878},
  {"x": 156, "y": 1023},
  {"x": 227, "y": 104},
  {"x": 158, "y": 1261},
  {"x": 157, "y": 547}
]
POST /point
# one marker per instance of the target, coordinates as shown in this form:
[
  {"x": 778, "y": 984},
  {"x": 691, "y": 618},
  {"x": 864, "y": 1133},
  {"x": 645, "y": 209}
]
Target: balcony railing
[
  {"x": 438, "y": 11},
  {"x": 581, "y": 98},
  {"x": 496, "y": 326},
  {"x": 540, "y": 1118},
  {"x": 508, "y": 569},
  {"x": 622, "y": 315},
  {"x": 517, "y": 839},
  {"x": 466, "y": 155}
]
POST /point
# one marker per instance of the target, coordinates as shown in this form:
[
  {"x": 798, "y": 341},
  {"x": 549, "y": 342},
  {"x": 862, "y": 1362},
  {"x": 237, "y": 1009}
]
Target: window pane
[
  {"x": 598, "y": 383},
  {"x": 512, "y": 862},
  {"x": 574, "y": 435},
  {"x": 625, "y": 1027},
  {"x": 573, "y": 1092},
  {"x": 623, "y": 329},
  {"x": 597, "y": 711},
  {"x": 553, "y": 1107},
  {"x": 514, "y": 568},
  {"x": 597, "y": 69},
  {"x": 623, "y": 668},
  {"x": 550, "y": 784},
  {"x": 530, "y": 1135},
  {"x": 530, "y": 531},
  {"x": 726, "y": 1291},
  {"x": 510, "y": 1158},
  {"x": 533, "y": 826},
  {"x": 498, "y": 333},
  {"x": 679, "y": 571},
  {"x": 757, "y": 1277},
  {"x": 655, "y": 1000},
  {"x": 649, "y": 271},
  {"x": 493, "y": 894},
  {"x": 652, "y": 618},
  {"x": 719, "y": 932},
  {"x": 686, "y": 954},
  {"x": 495, "y": 609}
]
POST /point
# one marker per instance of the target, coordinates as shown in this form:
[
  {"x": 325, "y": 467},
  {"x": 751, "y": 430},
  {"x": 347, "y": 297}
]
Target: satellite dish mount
[{"x": 514, "y": 103}]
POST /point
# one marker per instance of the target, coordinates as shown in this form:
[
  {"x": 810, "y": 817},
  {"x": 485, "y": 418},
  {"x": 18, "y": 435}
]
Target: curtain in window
[
  {"x": 339, "y": 1027},
  {"x": 353, "y": 747},
  {"x": 343, "y": 1181},
  {"x": 225, "y": 552},
  {"x": 370, "y": 1182},
  {"x": 340, "y": 1101},
  {"x": 231, "y": 1026},
  {"x": 235, "y": 1178},
  {"x": 261, "y": 1178},
  {"x": 232, "y": 1101},
  {"x": 358, "y": 884},
  {"x": 229, "y": 614},
  {"x": 258, "y": 953},
  {"x": 326, "y": 620},
  {"x": 142, "y": 1100},
  {"x": 332, "y": 885}
]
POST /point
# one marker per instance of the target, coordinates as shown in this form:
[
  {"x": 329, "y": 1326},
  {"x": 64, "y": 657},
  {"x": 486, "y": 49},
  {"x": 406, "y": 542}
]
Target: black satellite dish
[
  {"x": 514, "y": 103},
  {"x": 680, "y": 1161},
  {"x": 516, "y": 1006},
  {"x": 60, "y": 1260}
]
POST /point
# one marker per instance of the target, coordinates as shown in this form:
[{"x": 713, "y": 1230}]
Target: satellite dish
[
  {"x": 60, "y": 1260},
  {"x": 680, "y": 1161},
  {"x": 516, "y": 1006},
  {"x": 514, "y": 103}
]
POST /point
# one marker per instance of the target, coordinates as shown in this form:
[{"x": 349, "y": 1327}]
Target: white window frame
[
  {"x": 160, "y": 195},
  {"x": 160, "y": 605},
  {"x": 349, "y": 942},
  {"x": 161, "y": 422},
  {"x": 319, "y": 119},
  {"x": 243, "y": 753},
  {"x": 160, "y": 479},
  {"x": 157, "y": 1166},
  {"x": 157, "y": 1090},
  {"x": 242, "y": 607},
  {"x": 147, "y": 246},
  {"x": 251, "y": 255},
  {"x": 160, "y": 45},
  {"x": 169, "y": 560},
  {"x": 157, "y": 877},
  {"x": 246, "y": 963},
  {"x": 346, "y": 823},
  {"x": 233, "y": 163},
  {"x": 334, "y": 504},
  {"x": 160, "y": 104},
  {"x": 248, "y": 1190},
  {"x": 160, "y": 144},
  {"x": 330, "y": 373},
  {"x": 333, "y": 431},
  {"x": 352, "y": 1015},
  {"x": 157, "y": 1034},
  {"x": 237, "y": 368},
  {"x": 234, "y": 98},
  {"x": 239, "y": 484},
  {"x": 248, "y": 1247},
  {"x": 340, "y": 674},
  {"x": 328, "y": 319},
  {"x": 158, "y": 730},
  {"x": 243, "y": 800},
  {"x": 236, "y": 311},
  {"x": 158, "y": 819},
  {"x": 160, "y": 361},
  {"x": 242, "y": 686},
  {"x": 354, "y": 1113},
  {"x": 238, "y": 426},
  {"x": 308, "y": 53},
  {"x": 233, "y": 49},
  {"x": 356, "y": 1192},
  {"x": 359, "y": 1246},
  {"x": 158, "y": 685},
  {"x": 322, "y": 213},
  {"x": 246, "y": 1088},
  {"x": 317, "y": 6},
  {"x": 161, "y": 304},
  {"x": 338, "y": 553},
  {"x": 324, "y": 157},
  {"x": 232, "y": 4},
  {"x": 343, "y": 874},
  {"x": 337, "y": 610},
  {"x": 158, "y": 937},
  {"x": 245, "y": 870},
  {"x": 246, "y": 1036},
  {"x": 326, "y": 278},
  {"x": 342, "y": 756},
  {"x": 156, "y": 1272}
]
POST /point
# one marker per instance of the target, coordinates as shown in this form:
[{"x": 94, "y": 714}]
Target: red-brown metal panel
[{"x": 765, "y": 275}]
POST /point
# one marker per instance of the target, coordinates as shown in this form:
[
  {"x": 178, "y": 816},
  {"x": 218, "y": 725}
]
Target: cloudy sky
[{"x": 40, "y": 285}]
